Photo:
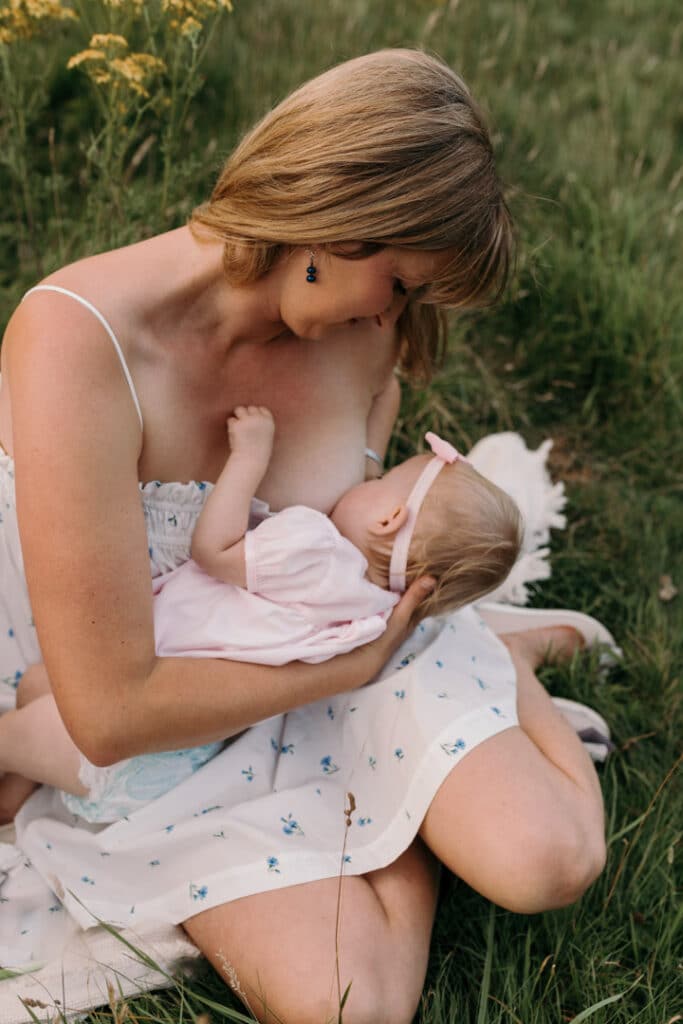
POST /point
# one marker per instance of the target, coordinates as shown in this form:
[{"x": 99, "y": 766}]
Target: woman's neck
[{"x": 202, "y": 303}]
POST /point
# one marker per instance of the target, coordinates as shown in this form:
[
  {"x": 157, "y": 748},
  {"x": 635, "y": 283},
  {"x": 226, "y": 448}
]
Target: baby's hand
[{"x": 251, "y": 429}]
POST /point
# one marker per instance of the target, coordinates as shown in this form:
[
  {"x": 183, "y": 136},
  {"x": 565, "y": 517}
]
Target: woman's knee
[
  {"x": 555, "y": 869},
  {"x": 366, "y": 995}
]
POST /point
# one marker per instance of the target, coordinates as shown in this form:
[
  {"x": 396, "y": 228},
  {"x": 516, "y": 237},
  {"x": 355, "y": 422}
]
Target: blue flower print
[
  {"x": 273, "y": 864},
  {"x": 330, "y": 713},
  {"x": 404, "y": 662},
  {"x": 347, "y": 858},
  {"x": 328, "y": 765},
  {"x": 481, "y": 684},
  {"x": 454, "y": 748},
  {"x": 10, "y": 632},
  {"x": 398, "y": 754},
  {"x": 248, "y": 774},
  {"x": 364, "y": 821},
  {"x": 498, "y": 712},
  {"x": 444, "y": 695},
  {"x": 400, "y": 694},
  {"x": 198, "y": 892},
  {"x": 372, "y": 761},
  {"x": 439, "y": 663},
  {"x": 288, "y": 748},
  {"x": 154, "y": 863},
  {"x": 87, "y": 881},
  {"x": 173, "y": 519},
  {"x": 169, "y": 828},
  {"x": 274, "y": 744},
  {"x": 291, "y": 826},
  {"x": 207, "y": 810},
  {"x": 219, "y": 835},
  {"x": 56, "y": 908}
]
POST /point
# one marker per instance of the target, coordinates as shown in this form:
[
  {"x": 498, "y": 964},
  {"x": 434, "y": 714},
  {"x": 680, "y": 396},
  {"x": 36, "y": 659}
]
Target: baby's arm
[
  {"x": 218, "y": 539},
  {"x": 381, "y": 419}
]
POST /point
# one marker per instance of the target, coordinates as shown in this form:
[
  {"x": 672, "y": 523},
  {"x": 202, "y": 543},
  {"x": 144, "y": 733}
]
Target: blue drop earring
[{"x": 311, "y": 269}]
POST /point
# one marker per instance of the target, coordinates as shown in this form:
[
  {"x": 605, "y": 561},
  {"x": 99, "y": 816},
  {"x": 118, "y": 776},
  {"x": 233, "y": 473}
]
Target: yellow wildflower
[
  {"x": 21, "y": 18},
  {"x": 190, "y": 28},
  {"x": 136, "y": 69},
  {"x": 83, "y": 57},
  {"x": 39, "y": 9},
  {"x": 109, "y": 40}
]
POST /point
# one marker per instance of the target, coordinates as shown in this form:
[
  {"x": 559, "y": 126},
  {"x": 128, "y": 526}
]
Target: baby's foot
[{"x": 536, "y": 647}]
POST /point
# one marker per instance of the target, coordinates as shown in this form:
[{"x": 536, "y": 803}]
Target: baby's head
[{"x": 434, "y": 516}]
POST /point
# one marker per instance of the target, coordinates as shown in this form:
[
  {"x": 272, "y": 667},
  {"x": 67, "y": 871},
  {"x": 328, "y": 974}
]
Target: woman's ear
[{"x": 388, "y": 525}]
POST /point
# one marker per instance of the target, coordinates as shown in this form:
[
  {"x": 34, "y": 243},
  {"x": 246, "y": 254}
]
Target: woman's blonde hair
[
  {"x": 467, "y": 536},
  {"x": 388, "y": 149}
]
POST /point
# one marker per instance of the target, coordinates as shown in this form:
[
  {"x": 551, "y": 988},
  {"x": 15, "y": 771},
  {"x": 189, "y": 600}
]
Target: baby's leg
[{"x": 35, "y": 747}]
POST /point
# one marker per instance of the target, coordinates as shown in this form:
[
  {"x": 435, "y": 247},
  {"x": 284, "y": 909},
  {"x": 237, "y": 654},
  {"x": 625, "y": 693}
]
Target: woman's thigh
[
  {"x": 284, "y": 955},
  {"x": 513, "y": 826}
]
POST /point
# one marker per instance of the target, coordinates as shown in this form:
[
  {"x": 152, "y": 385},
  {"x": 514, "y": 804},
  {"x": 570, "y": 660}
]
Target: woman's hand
[{"x": 400, "y": 625}]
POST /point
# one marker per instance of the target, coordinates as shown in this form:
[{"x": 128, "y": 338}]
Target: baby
[
  {"x": 330, "y": 582},
  {"x": 301, "y": 585}
]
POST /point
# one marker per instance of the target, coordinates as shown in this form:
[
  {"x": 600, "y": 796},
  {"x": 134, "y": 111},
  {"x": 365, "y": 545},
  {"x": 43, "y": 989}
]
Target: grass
[{"x": 586, "y": 348}]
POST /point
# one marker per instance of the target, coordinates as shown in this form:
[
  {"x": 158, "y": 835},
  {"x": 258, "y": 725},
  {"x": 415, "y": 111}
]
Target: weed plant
[{"x": 587, "y": 348}]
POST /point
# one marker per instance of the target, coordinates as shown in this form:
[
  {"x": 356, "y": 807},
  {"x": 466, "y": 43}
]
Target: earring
[{"x": 311, "y": 269}]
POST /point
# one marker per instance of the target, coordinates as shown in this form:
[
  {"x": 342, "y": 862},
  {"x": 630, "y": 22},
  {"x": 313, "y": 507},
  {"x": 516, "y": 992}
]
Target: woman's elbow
[{"x": 102, "y": 736}]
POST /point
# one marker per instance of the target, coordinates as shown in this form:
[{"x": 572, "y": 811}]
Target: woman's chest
[{"x": 320, "y": 395}]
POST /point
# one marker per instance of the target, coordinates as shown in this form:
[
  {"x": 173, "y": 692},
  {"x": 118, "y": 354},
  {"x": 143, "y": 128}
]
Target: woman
[{"x": 378, "y": 176}]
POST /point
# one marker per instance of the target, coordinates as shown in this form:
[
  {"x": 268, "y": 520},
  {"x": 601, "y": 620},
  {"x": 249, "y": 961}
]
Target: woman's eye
[{"x": 400, "y": 287}]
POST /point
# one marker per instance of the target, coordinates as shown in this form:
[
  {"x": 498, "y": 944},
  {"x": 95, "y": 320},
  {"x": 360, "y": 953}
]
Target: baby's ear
[{"x": 387, "y": 526}]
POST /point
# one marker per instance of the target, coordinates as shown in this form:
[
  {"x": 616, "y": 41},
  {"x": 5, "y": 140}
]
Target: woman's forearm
[{"x": 185, "y": 702}]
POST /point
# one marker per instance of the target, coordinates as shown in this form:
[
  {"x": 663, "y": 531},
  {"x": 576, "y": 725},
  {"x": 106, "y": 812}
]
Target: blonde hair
[
  {"x": 467, "y": 536},
  {"x": 388, "y": 149}
]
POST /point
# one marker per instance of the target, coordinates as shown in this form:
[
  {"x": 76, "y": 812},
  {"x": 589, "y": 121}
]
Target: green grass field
[{"x": 586, "y": 348}]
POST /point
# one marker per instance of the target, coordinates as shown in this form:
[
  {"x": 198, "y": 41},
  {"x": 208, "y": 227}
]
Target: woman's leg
[
  {"x": 521, "y": 818},
  {"x": 277, "y": 950},
  {"x": 35, "y": 746}
]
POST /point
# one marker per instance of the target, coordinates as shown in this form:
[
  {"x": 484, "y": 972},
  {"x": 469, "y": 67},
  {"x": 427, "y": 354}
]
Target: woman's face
[{"x": 347, "y": 292}]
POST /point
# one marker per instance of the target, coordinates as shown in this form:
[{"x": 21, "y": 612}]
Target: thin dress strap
[{"x": 114, "y": 340}]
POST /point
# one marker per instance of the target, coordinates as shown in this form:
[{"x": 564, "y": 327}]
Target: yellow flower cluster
[
  {"x": 106, "y": 61},
  {"x": 21, "y": 19},
  {"x": 137, "y": 5},
  {"x": 186, "y": 15}
]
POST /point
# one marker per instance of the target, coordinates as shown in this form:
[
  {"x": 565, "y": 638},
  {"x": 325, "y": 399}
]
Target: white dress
[{"x": 270, "y": 810}]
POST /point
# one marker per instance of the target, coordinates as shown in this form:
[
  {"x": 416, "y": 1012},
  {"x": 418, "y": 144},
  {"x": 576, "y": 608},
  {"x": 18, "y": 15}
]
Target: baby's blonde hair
[
  {"x": 467, "y": 536},
  {"x": 388, "y": 149}
]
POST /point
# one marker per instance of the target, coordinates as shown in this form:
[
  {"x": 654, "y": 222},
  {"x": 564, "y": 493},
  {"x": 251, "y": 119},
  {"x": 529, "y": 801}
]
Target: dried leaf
[{"x": 667, "y": 590}]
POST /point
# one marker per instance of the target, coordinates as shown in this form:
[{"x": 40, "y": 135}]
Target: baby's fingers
[{"x": 402, "y": 615}]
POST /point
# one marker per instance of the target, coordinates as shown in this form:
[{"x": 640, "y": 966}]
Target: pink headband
[{"x": 443, "y": 453}]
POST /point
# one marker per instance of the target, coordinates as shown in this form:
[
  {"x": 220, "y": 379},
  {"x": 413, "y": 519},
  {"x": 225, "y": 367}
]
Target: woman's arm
[
  {"x": 217, "y": 540},
  {"x": 77, "y": 443},
  {"x": 381, "y": 419}
]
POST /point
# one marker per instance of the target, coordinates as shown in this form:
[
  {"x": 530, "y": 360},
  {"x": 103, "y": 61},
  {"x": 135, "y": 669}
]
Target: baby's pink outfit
[{"x": 307, "y": 598}]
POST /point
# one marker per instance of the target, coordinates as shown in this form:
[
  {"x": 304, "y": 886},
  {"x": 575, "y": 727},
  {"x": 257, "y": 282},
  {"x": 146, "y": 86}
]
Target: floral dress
[{"x": 339, "y": 785}]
